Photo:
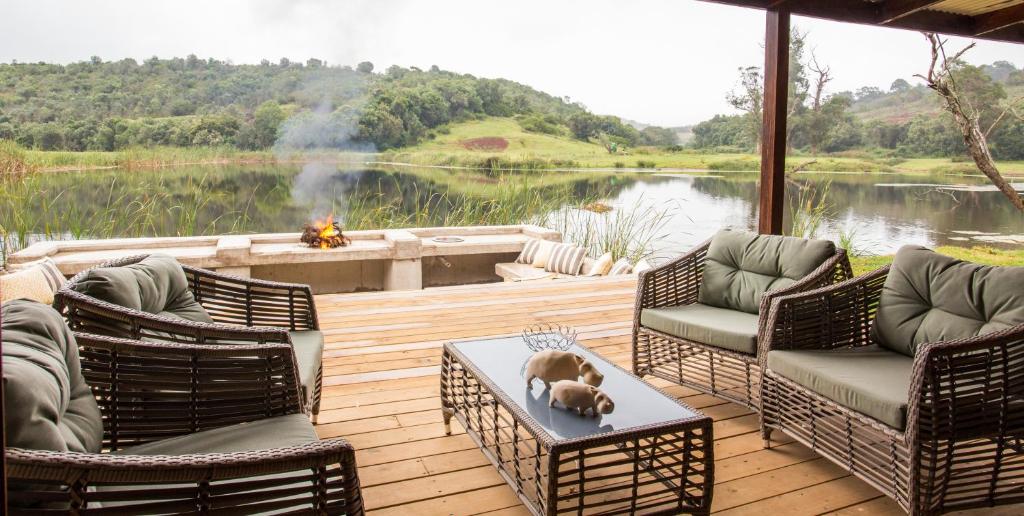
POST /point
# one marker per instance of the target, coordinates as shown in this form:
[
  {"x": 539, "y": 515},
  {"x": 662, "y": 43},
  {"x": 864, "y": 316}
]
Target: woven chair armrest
[
  {"x": 185, "y": 387},
  {"x": 969, "y": 388},
  {"x": 830, "y": 317},
  {"x": 253, "y": 302},
  {"x": 673, "y": 283},
  {"x": 185, "y": 467},
  {"x": 329, "y": 464},
  {"x": 89, "y": 314}
]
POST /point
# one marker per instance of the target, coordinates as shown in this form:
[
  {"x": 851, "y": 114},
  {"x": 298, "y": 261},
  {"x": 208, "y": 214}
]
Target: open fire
[{"x": 325, "y": 234}]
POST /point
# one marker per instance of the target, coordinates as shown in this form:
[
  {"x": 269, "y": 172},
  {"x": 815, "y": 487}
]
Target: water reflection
[{"x": 882, "y": 212}]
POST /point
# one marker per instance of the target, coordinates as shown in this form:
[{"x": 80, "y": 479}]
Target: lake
[{"x": 877, "y": 212}]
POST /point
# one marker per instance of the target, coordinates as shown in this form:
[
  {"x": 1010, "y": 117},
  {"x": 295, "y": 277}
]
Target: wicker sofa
[
  {"x": 154, "y": 298},
  {"x": 698, "y": 318},
  {"x": 911, "y": 377},
  {"x": 101, "y": 425}
]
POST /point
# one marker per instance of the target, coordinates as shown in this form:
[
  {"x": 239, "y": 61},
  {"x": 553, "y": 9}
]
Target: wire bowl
[{"x": 540, "y": 337}]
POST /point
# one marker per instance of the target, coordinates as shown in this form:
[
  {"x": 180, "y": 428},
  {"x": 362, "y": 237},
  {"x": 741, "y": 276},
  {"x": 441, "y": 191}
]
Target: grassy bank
[
  {"x": 526, "y": 150},
  {"x": 494, "y": 144},
  {"x": 985, "y": 255},
  {"x": 17, "y": 160}
]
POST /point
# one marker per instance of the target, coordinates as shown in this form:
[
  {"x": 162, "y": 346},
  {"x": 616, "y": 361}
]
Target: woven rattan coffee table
[{"x": 653, "y": 455}]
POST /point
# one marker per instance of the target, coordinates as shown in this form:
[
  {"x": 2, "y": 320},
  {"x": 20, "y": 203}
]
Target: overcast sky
[{"x": 666, "y": 62}]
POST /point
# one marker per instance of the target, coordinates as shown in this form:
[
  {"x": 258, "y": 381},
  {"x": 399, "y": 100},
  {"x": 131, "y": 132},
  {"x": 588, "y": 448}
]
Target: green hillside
[{"x": 502, "y": 144}]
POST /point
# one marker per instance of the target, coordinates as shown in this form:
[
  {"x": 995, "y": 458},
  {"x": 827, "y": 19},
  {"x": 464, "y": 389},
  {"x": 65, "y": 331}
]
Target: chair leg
[{"x": 766, "y": 435}]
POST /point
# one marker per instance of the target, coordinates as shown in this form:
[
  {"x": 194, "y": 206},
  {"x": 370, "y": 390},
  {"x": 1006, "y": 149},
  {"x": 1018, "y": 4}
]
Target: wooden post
[{"x": 773, "y": 128}]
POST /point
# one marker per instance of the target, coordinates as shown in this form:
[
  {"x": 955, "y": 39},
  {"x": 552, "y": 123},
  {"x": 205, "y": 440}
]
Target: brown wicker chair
[
  {"x": 961, "y": 447},
  {"x": 244, "y": 310},
  {"x": 154, "y": 394},
  {"x": 728, "y": 374}
]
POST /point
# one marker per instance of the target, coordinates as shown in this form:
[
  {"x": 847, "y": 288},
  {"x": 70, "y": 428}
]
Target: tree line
[
  {"x": 100, "y": 105},
  {"x": 838, "y": 122}
]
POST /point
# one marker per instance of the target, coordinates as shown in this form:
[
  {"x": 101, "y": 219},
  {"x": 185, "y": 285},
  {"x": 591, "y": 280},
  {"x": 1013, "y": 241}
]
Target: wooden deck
[{"x": 381, "y": 385}]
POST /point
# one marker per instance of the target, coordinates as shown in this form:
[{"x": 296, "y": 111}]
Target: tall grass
[
  {"x": 13, "y": 162},
  {"x": 38, "y": 207},
  {"x": 810, "y": 209},
  {"x": 625, "y": 232},
  {"x": 32, "y": 210}
]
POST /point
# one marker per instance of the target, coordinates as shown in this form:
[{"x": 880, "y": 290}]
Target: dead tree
[
  {"x": 940, "y": 79},
  {"x": 823, "y": 77}
]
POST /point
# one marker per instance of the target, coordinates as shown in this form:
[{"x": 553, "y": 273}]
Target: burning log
[{"x": 324, "y": 234}]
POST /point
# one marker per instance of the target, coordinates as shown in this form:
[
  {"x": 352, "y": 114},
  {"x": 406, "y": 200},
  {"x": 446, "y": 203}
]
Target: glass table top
[{"x": 637, "y": 404}]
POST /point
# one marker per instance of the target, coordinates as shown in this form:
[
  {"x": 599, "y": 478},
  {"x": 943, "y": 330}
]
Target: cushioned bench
[{"x": 526, "y": 272}]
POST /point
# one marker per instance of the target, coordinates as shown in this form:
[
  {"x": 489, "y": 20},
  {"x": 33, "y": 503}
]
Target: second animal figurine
[
  {"x": 552, "y": 365},
  {"x": 579, "y": 396}
]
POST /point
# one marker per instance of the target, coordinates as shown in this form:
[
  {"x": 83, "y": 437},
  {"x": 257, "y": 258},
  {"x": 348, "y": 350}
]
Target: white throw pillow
[
  {"x": 37, "y": 282},
  {"x": 566, "y": 259},
  {"x": 641, "y": 266},
  {"x": 621, "y": 267},
  {"x": 601, "y": 266},
  {"x": 540, "y": 259}
]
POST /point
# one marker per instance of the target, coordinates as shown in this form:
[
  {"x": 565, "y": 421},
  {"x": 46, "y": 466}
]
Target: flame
[{"x": 326, "y": 231}]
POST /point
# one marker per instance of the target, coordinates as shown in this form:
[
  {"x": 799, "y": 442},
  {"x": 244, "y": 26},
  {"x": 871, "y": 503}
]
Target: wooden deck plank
[{"x": 381, "y": 392}]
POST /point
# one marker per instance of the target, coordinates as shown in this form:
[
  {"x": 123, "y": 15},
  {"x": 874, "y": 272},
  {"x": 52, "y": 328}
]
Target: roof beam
[
  {"x": 895, "y": 9},
  {"x": 999, "y": 19},
  {"x": 872, "y": 13}
]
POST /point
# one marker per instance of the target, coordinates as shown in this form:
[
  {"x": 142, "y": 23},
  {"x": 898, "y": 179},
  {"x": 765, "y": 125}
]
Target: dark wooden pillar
[{"x": 773, "y": 128}]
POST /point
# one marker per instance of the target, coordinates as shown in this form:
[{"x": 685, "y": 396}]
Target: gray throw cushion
[
  {"x": 869, "y": 380},
  {"x": 48, "y": 404},
  {"x": 309, "y": 349},
  {"x": 929, "y": 297},
  {"x": 274, "y": 432},
  {"x": 721, "y": 327},
  {"x": 156, "y": 284},
  {"x": 740, "y": 267}
]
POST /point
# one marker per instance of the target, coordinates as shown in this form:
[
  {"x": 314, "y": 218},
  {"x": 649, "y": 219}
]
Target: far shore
[{"x": 671, "y": 163}]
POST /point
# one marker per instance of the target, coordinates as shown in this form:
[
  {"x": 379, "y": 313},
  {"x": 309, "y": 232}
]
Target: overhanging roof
[{"x": 998, "y": 20}]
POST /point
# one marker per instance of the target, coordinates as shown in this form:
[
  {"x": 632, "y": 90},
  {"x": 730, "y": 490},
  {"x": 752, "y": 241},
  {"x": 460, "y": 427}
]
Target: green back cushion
[
  {"x": 929, "y": 297},
  {"x": 48, "y": 404},
  {"x": 740, "y": 267},
  {"x": 156, "y": 284}
]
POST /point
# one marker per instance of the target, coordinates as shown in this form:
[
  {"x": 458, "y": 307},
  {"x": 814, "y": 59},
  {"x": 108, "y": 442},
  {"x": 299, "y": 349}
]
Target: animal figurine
[
  {"x": 580, "y": 396},
  {"x": 552, "y": 365}
]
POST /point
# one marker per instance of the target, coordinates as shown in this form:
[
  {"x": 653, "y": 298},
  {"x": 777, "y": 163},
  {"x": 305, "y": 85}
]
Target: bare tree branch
[{"x": 940, "y": 78}]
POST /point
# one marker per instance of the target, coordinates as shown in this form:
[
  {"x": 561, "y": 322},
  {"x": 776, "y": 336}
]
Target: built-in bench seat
[{"x": 525, "y": 272}]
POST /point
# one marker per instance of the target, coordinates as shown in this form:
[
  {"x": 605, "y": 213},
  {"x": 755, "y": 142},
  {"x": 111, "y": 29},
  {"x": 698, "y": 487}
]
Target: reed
[
  {"x": 32, "y": 210},
  {"x": 625, "y": 232},
  {"x": 810, "y": 209}
]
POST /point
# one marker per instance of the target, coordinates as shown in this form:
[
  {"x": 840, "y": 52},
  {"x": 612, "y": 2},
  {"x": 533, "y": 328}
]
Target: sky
[{"x": 665, "y": 62}]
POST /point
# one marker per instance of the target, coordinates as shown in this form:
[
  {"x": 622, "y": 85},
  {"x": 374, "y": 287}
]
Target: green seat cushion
[
  {"x": 155, "y": 284},
  {"x": 929, "y": 297},
  {"x": 740, "y": 267},
  {"x": 309, "y": 351},
  {"x": 49, "y": 406},
  {"x": 720, "y": 327},
  {"x": 870, "y": 380},
  {"x": 273, "y": 432}
]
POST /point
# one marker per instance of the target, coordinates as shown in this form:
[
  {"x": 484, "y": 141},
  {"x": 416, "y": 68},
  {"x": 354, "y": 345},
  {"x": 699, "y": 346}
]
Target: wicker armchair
[
  {"x": 166, "y": 410},
  {"x": 711, "y": 369},
  {"x": 243, "y": 310},
  {"x": 960, "y": 443}
]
